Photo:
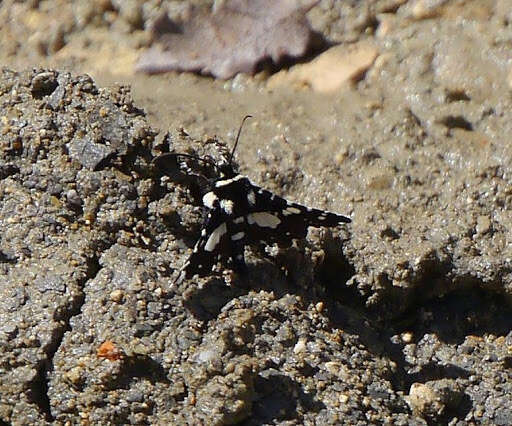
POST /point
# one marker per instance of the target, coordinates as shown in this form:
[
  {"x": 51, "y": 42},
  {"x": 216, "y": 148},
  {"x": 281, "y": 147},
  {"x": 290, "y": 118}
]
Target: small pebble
[
  {"x": 407, "y": 337},
  {"x": 300, "y": 346},
  {"x": 116, "y": 296},
  {"x": 483, "y": 224}
]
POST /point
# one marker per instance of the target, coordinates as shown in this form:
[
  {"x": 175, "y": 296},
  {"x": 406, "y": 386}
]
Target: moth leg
[
  {"x": 211, "y": 243},
  {"x": 185, "y": 270}
]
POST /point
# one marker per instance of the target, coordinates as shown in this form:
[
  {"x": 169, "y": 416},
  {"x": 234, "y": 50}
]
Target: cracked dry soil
[{"x": 403, "y": 317}]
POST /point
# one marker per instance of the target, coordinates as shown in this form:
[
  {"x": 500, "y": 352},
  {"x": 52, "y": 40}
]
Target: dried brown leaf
[{"x": 234, "y": 38}]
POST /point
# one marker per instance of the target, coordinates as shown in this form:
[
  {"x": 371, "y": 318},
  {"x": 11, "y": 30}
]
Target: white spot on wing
[
  {"x": 209, "y": 200},
  {"x": 238, "y": 236},
  {"x": 251, "y": 197},
  {"x": 215, "y": 237},
  {"x": 291, "y": 210},
  {"x": 227, "y": 206},
  {"x": 239, "y": 219},
  {"x": 225, "y": 182},
  {"x": 263, "y": 219}
]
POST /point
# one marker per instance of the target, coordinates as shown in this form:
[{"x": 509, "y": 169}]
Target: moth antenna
[
  {"x": 238, "y": 137},
  {"x": 194, "y": 157}
]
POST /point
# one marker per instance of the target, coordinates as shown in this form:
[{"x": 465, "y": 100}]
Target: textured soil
[{"x": 402, "y": 317}]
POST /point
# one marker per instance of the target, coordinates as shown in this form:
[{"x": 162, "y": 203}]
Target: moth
[{"x": 240, "y": 213}]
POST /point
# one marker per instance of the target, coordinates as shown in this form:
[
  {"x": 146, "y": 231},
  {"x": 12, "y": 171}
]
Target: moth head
[{"x": 225, "y": 169}]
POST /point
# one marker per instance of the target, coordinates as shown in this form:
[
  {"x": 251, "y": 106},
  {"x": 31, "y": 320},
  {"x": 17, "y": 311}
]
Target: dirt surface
[{"x": 402, "y": 317}]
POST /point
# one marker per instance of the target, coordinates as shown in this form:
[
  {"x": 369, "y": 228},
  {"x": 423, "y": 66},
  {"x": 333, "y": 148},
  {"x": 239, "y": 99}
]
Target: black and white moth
[{"x": 240, "y": 213}]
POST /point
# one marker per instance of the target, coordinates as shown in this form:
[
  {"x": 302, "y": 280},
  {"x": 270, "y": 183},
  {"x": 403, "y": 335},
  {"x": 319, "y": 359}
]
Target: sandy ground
[{"x": 402, "y": 317}]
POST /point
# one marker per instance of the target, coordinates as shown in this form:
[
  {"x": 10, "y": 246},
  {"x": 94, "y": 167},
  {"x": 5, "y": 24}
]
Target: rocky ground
[{"x": 402, "y": 317}]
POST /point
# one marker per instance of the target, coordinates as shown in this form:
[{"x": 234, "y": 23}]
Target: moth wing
[
  {"x": 213, "y": 243},
  {"x": 273, "y": 219}
]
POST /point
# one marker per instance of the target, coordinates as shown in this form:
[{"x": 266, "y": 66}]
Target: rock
[{"x": 334, "y": 69}]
